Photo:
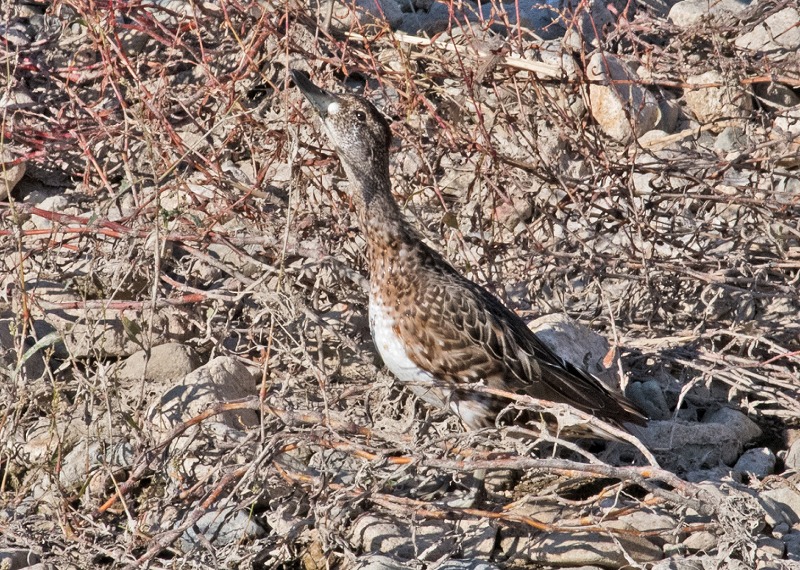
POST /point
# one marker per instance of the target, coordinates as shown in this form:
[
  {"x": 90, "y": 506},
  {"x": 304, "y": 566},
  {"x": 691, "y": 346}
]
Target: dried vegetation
[{"x": 177, "y": 190}]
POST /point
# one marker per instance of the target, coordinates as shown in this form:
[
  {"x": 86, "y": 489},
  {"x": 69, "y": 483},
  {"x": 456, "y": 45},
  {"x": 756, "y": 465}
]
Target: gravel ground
[{"x": 188, "y": 379}]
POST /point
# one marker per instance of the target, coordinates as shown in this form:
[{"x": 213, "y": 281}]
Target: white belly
[
  {"x": 394, "y": 355},
  {"x": 391, "y": 347}
]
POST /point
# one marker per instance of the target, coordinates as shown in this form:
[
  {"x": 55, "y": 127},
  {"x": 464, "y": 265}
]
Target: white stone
[
  {"x": 623, "y": 109},
  {"x": 702, "y": 541},
  {"x": 780, "y": 31},
  {"x": 689, "y": 12},
  {"x": 727, "y": 100}
]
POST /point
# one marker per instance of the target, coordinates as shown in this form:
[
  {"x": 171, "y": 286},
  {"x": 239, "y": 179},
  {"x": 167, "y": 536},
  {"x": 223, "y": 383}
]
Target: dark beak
[{"x": 319, "y": 98}]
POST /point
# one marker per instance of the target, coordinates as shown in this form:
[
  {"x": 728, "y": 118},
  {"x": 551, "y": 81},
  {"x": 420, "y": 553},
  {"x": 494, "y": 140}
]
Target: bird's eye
[{"x": 361, "y": 116}]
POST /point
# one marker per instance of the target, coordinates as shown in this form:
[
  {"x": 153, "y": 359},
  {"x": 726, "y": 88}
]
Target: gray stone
[
  {"x": 645, "y": 521},
  {"x": 788, "y": 121},
  {"x": 9, "y": 174},
  {"x": 57, "y": 204},
  {"x": 585, "y": 22},
  {"x": 17, "y": 558},
  {"x": 378, "y": 562},
  {"x": 689, "y": 12},
  {"x": 777, "y": 32},
  {"x": 577, "y": 549},
  {"x": 792, "y": 542},
  {"x": 221, "y": 380},
  {"x": 731, "y": 139},
  {"x": 786, "y": 129},
  {"x": 649, "y": 397},
  {"x": 28, "y": 363},
  {"x": 792, "y": 459},
  {"x": 759, "y": 462},
  {"x": 167, "y": 363},
  {"x": 780, "y": 529},
  {"x": 623, "y": 109},
  {"x": 469, "y": 565},
  {"x": 431, "y": 540},
  {"x": 782, "y": 504},
  {"x": 776, "y": 96},
  {"x": 745, "y": 428},
  {"x": 687, "y": 447},
  {"x": 220, "y": 528},
  {"x": 578, "y": 345},
  {"x": 669, "y": 112},
  {"x": 768, "y": 548},
  {"x": 727, "y": 100},
  {"x": 88, "y": 459},
  {"x": 702, "y": 541}
]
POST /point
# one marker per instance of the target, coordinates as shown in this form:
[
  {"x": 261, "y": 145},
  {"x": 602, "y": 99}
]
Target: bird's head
[{"x": 357, "y": 130}]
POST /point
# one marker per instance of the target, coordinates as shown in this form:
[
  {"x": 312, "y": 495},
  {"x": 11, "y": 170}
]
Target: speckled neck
[{"x": 379, "y": 217}]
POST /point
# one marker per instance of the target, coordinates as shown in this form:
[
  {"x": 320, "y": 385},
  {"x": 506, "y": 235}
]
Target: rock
[
  {"x": 775, "y": 96},
  {"x": 759, "y": 462},
  {"x": 168, "y": 363},
  {"x": 377, "y": 562},
  {"x": 243, "y": 263},
  {"x": 782, "y": 504},
  {"x": 768, "y": 548},
  {"x": 623, "y": 110},
  {"x": 584, "y": 23},
  {"x": 517, "y": 212},
  {"x": 470, "y": 565},
  {"x": 14, "y": 33},
  {"x": 576, "y": 344},
  {"x": 689, "y": 12},
  {"x": 728, "y": 100},
  {"x": 221, "y": 380},
  {"x": 792, "y": 459},
  {"x": 58, "y": 204},
  {"x": 786, "y": 129},
  {"x": 788, "y": 121},
  {"x": 95, "y": 331},
  {"x": 344, "y": 16},
  {"x": 645, "y": 521},
  {"x": 389, "y": 535},
  {"x": 578, "y": 549},
  {"x": 221, "y": 527},
  {"x": 30, "y": 365},
  {"x": 650, "y": 398},
  {"x": 669, "y": 112},
  {"x": 777, "y": 32},
  {"x": 702, "y": 541},
  {"x": 731, "y": 139},
  {"x": 10, "y": 173},
  {"x": 17, "y": 558},
  {"x": 686, "y": 447},
  {"x": 87, "y": 466},
  {"x": 780, "y": 529},
  {"x": 792, "y": 542},
  {"x": 744, "y": 428}
]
